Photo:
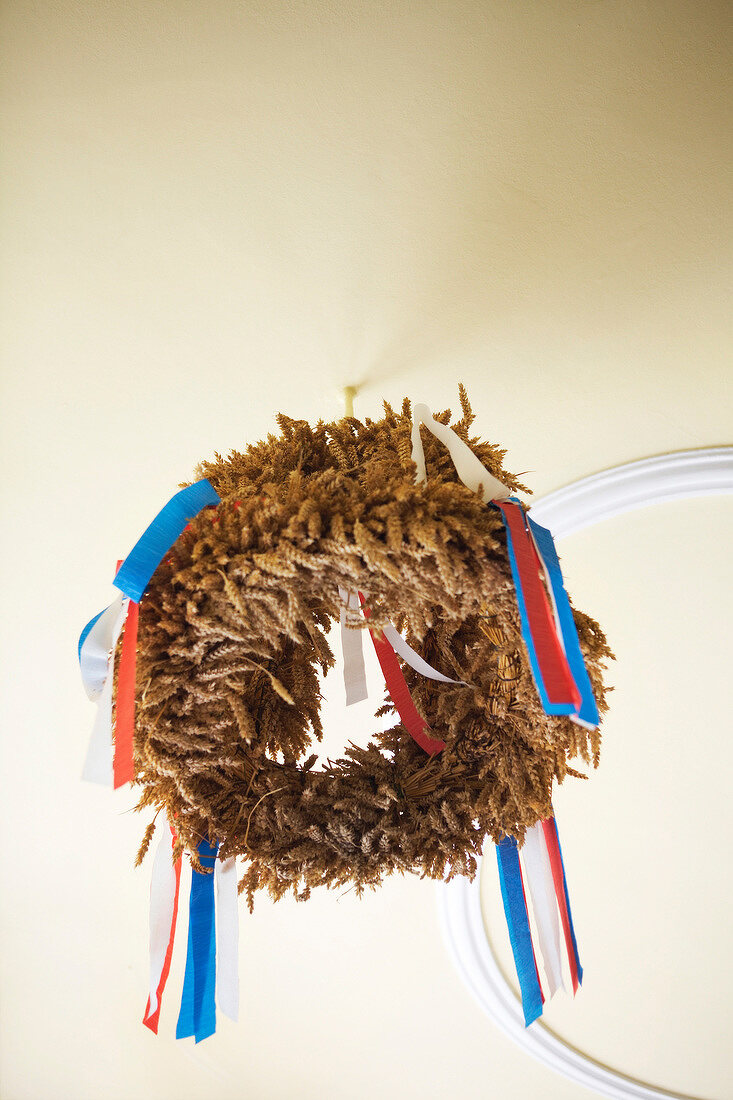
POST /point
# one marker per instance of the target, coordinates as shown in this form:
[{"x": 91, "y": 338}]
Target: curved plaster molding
[
  {"x": 462, "y": 923},
  {"x": 704, "y": 472}
]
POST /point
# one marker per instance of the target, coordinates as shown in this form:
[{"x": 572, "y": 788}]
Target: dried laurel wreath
[{"x": 233, "y": 629}]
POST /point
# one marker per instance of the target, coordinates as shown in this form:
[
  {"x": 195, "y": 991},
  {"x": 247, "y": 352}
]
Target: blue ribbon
[
  {"x": 198, "y": 1010},
  {"x": 588, "y": 711},
  {"x": 517, "y": 919},
  {"x": 148, "y": 552},
  {"x": 549, "y": 708},
  {"x": 567, "y": 903}
]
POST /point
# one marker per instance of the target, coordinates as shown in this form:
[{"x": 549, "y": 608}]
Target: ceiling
[{"x": 215, "y": 211}]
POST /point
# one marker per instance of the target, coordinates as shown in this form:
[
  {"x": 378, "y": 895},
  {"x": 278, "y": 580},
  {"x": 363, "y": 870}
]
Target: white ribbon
[
  {"x": 470, "y": 470},
  {"x": 227, "y": 938},
  {"x": 413, "y": 659},
  {"x": 354, "y": 673},
  {"x": 94, "y": 655},
  {"x": 98, "y": 766},
  {"x": 162, "y": 901},
  {"x": 538, "y": 874},
  {"x": 355, "y": 683}
]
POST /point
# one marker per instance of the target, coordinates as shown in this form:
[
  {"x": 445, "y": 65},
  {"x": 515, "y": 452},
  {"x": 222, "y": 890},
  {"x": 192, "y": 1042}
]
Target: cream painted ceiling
[{"x": 213, "y": 211}]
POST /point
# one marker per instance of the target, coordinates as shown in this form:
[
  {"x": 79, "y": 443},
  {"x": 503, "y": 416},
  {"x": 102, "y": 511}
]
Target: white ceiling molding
[
  {"x": 462, "y": 922},
  {"x": 591, "y": 500},
  {"x": 705, "y": 472}
]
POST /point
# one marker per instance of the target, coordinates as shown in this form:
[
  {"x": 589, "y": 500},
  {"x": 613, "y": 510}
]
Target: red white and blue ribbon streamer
[
  {"x": 197, "y": 1016},
  {"x": 552, "y": 839},
  {"x": 550, "y": 669},
  {"x": 539, "y": 866},
  {"x": 110, "y": 763},
  {"x": 587, "y": 713},
  {"x": 212, "y": 963},
  {"x": 98, "y": 640}
]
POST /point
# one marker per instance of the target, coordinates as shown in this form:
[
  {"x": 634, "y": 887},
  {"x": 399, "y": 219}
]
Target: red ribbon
[
  {"x": 124, "y": 768},
  {"x": 558, "y": 878},
  {"x": 553, "y": 666},
  {"x": 399, "y": 692}
]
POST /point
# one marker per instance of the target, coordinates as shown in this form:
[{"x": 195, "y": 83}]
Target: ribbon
[
  {"x": 85, "y": 633},
  {"x": 469, "y": 468},
  {"x": 550, "y": 669},
  {"x": 197, "y": 1016},
  {"x": 587, "y": 714},
  {"x": 552, "y": 839},
  {"x": 399, "y": 692},
  {"x": 146, "y": 555},
  {"x": 95, "y": 644},
  {"x": 99, "y": 638},
  {"x": 227, "y": 938},
  {"x": 96, "y": 648},
  {"x": 413, "y": 659},
  {"x": 124, "y": 767},
  {"x": 537, "y": 873},
  {"x": 164, "y": 888},
  {"x": 517, "y": 919},
  {"x": 354, "y": 674},
  {"x": 354, "y": 671}
]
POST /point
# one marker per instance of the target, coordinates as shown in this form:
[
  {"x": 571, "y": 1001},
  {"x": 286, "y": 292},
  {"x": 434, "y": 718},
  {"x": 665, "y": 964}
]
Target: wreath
[{"x": 234, "y": 628}]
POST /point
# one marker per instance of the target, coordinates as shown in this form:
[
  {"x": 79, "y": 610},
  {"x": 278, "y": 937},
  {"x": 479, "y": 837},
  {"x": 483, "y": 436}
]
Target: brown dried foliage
[{"x": 233, "y": 628}]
